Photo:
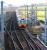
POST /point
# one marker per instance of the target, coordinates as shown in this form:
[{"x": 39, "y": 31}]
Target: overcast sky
[{"x": 23, "y": 2}]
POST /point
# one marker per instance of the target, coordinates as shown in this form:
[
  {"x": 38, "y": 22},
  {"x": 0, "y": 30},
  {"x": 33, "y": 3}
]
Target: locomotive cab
[{"x": 23, "y": 23}]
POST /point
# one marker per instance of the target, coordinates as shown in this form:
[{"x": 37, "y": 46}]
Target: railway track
[
  {"x": 30, "y": 41},
  {"x": 22, "y": 40},
  {"x": 14, "y": 41},
  {"x": 25, "y": 41},
  {"x": 36, "y": 41},
  {"x": 8, "y": 42}
]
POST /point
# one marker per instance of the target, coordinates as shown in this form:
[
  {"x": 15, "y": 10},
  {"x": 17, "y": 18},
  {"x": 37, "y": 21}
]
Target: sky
[{"x": 23, "y": 2}]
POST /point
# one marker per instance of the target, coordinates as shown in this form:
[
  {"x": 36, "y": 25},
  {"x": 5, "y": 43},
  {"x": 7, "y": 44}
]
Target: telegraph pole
[{"x": 2, "y": 25}]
